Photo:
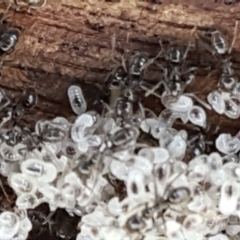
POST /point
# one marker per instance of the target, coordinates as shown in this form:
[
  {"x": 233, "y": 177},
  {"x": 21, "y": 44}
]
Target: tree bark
[{"x": 71, "y": 43}]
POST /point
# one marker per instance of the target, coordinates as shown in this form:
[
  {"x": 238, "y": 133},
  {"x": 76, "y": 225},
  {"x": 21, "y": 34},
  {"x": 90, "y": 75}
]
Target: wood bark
[{"x": 70, "y": 42}]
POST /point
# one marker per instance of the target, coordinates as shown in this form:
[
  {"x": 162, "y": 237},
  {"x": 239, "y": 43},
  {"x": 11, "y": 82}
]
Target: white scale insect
[
  {"x": 77, "y": 100},
  {"x": 184, "y": 105},
  {"x": 223, "y": 103}
]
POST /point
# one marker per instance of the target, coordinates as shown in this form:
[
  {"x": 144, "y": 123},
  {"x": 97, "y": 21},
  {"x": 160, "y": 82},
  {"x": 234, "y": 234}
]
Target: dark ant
[
  {"x": 66, "y": 226},
  {"x": 174, "y": 78},
  {"x": 121, "y": 105},
  {"x": 20, "y": 105},
  {"x": 8, "y": 40},
  {"x": 198, "y": 145},
  {"x": 29, "y": 98},
  {"x": 38, "y": 218},
  {"x": 158, "y": 208},
  {"x": 133, "y": 69},
  {"x": 9, "y": 36},
  {"x": 219, "y": 47}
]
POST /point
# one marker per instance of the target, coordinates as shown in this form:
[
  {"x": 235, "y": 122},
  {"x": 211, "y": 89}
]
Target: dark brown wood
[{"x": 71, "y": 43}]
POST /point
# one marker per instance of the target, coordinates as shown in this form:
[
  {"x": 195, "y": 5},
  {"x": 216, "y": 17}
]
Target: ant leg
[
  {"x": 166, "y": 87},
  {"x": 143, "y": 111},
  {"x": 191, "y": 69},
  {"x": 110, "y": 111},
  {"x": 48, "y": 221},
  {"x": 164, "y": 69},
  {"x": 113, "y": 42},
  {"x": 151, "y": 91},
  {"x": 212, "y": 73},
  {"x": 192, "y": 140},
  {"x": 113, "y": 45},
  {"x": 154, "y": 94},
  {"x": 206, "y": 105},
  {"x": 4, "y": 191},
  {"x": 142, "y": 145},
  {"x": 48, "y": 218},
  {"x": 124, "y": 57},
  {"x": 124, "y": 63},
  {"x": 203, "y": 41},
  {"x": 163, "y": 81},
  {"x": 151, "y": 61},
  {"x": 151, "y": 113},
  {"x": 7, "y": 100},
  {"x": 234, "y": 37},
  {"x": 186, "y": 52}
]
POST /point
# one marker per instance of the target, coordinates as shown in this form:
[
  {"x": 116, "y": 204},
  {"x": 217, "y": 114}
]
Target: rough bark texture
[{"x": 59, "y": 46}]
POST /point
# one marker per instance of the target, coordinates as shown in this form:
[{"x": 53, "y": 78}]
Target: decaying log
[{"x": 71, "y": 43}]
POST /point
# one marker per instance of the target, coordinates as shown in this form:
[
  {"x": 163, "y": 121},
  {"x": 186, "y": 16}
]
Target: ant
[
  {"x": 175, "y": 78},
  {"x": 220, "y": 47}
]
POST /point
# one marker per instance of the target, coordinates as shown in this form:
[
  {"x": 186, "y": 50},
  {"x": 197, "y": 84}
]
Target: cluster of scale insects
[{"x": 125, "y": 84}]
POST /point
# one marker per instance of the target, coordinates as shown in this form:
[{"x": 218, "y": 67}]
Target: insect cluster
[{"x": 100, "y": 167}]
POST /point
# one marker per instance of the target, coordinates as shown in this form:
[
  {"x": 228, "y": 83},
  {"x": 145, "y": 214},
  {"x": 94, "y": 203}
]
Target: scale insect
[{"x": 77, "y": 100}]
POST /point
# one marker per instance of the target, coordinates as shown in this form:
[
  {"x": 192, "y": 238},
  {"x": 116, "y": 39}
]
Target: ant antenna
[
  {"x": 48, "y": 221},
  {"x": 151, "y": 61},
  {"x": 162, "y": 82},
  {"x": 149, "y": 90},
  {"x": 106, "y": 107},
  {"x": 204, "y": 104},
  {"x": 113, "y": 44}
]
